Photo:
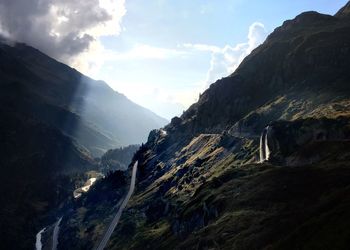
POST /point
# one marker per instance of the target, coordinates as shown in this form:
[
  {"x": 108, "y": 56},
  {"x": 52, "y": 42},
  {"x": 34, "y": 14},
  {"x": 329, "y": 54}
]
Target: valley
[{"x": 260, "y": 161}]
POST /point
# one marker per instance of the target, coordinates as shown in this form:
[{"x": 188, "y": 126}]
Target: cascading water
[
  {"x": 264, "y": 150},
  {"x": 267, "y": 149}
]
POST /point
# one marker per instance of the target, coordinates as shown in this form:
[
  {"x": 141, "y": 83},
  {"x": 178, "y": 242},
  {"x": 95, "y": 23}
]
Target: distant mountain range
[
  {"x": 261, "y": 161},
  {"x": 90, "y": 112}
]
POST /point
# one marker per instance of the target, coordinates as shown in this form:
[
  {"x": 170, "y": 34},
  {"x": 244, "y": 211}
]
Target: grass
[{"x": 255, "y": 206}]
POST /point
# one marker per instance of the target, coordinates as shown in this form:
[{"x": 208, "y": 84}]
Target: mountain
[
  {"x": 261, "y": 161},
  {"x": 88, "y": 111},
  {"x": 344, "y": 12},
  {"x": 53, "y": 122}
]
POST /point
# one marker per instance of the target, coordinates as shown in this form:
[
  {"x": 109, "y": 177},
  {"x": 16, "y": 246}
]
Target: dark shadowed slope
[{"x": 37, "y": 164}]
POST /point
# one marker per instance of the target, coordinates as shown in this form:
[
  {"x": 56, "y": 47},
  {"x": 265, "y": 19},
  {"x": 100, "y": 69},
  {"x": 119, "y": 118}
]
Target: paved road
[
  {"x": 56, "y": 230},
  {"x": 116, "y": 218},
  {"x": 38, "y": 244}
]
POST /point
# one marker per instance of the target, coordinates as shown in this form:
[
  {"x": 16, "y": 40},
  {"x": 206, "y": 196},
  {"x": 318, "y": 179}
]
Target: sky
[{"x": 160, "y": 53}]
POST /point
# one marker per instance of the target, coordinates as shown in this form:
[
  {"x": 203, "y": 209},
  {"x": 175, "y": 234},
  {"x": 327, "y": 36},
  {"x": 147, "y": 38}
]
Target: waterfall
[
  {"x": 38, "y": 244},
  {"x": 267, "y": 149},
  {"x": 264, "y": 150}
]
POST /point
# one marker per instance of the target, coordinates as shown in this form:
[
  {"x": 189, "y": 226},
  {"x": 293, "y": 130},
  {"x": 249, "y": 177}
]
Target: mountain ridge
[
  {"x": 344, "y": 11},
  {"x": 279, "y": 78}
]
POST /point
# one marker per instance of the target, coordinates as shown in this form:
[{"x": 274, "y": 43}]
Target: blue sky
[{"x": 157, "y": 64}]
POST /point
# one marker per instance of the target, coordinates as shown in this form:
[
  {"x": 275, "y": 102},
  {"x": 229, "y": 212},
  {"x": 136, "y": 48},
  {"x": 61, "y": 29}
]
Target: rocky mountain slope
[{"x": 201, "y": 182}]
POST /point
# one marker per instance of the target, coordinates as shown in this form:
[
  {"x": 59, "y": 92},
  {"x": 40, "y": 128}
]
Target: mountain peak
[
  {"x": 308, "y": 18},
  {"x": 344, "y": 12}
]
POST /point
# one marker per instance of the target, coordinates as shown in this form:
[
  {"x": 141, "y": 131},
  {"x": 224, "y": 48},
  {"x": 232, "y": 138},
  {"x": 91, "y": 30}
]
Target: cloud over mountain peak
[{"x": 63, "y": 29}]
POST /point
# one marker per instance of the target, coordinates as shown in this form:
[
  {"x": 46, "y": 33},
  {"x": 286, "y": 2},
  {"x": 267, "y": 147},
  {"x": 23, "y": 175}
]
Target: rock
[{"x": 176, "y": 121}]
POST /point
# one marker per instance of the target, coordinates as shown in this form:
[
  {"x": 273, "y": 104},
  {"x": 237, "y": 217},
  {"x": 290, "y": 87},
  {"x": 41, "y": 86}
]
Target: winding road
[
  {"x": 55, "y": 233},
  {"x": 116, "y": 218},
  {"x": 38, "y": 244}
]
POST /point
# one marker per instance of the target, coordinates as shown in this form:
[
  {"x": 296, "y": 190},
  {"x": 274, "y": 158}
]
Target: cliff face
[{"x": 200, "y": 182}]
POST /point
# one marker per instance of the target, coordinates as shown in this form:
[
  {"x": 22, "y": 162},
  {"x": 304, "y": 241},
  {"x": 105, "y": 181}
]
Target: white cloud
[
  {"x": 64, "y": 29},
  {"x": 225, "y": 61},
  {"x": 256, "y": 35}
]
